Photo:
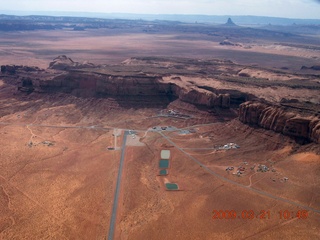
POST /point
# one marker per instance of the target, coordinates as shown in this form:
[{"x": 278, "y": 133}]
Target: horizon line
[{"x": 56, "y": 13}]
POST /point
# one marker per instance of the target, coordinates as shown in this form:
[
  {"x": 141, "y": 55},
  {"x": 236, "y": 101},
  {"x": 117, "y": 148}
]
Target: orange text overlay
[{"x": 262, "y": 214}]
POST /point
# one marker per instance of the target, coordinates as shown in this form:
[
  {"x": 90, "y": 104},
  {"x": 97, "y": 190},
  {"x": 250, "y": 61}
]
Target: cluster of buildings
[
  {"x": 260, "y": 168},
  {"x": 229, "y": 146}
]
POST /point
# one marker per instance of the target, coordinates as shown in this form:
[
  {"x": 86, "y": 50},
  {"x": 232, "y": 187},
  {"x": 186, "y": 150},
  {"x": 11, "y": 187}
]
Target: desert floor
[
  {"x": 57, "y": 177},
  {"x": 107, "y": 46}
]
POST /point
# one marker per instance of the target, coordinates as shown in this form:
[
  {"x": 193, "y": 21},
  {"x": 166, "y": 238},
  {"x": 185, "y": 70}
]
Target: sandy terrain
[
  {"x": 107, "y": 46},
  {"x": 57, "y": 178},
  {"x": 51, "y": 177},
  {"x": 65, "y": 190},
  {"x": 153, "y": 213}
]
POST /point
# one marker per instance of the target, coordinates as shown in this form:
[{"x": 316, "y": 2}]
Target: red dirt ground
[{"x": 66, "y": 190}]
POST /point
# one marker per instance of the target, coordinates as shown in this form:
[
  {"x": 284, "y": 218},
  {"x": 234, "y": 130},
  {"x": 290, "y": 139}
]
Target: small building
[
  {"x": 262, "y": 168},
  {"x": 164, "y": 163},
  {"x": 163, "y": 172},
  {"x": 165, "y": 154},
  {"x": 172, "y": 186}
]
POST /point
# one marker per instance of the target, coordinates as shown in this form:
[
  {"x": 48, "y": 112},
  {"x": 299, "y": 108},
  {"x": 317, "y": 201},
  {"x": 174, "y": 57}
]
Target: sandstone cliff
[
  {"x": 139, "y": 86},
  {"x": 281, "y": 119},
  {"x": 163, "y": 82},
  {"x": 202, "y": 97},
  {"x": 63, "y": 76}
]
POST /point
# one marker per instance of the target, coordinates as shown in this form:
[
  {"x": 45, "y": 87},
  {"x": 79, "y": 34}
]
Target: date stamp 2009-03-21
[{"x": 262, "y": 214}]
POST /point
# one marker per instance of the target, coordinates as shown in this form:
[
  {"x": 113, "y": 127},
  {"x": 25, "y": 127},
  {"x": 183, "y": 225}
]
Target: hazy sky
[{"x": 278, "y": 8}]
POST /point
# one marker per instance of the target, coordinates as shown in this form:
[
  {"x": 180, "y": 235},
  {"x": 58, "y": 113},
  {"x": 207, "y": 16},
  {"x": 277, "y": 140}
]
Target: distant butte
[{"x": 230, "y": 23}]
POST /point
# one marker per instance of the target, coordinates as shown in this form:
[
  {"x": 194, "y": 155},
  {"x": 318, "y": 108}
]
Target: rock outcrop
[
  {"x": 230, "y": 23},
  {"x": 12, "y": 69},
  {"x": 315, "y": 67},
  {"x": 140, "y": 86},
  {"x": 281, "y": 119},
  {"x": 201, "y": 97},
  {"x": 229, "y": 43},
  {"x": 87, "y": 80},
  {"x": 63, "y": 62},
  {"x": 160, "y": 82}
]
